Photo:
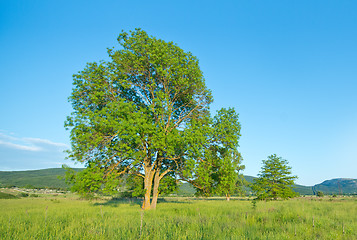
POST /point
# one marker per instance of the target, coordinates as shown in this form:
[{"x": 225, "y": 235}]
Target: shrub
[
  {"x": 22, "y": 194},
  {"x": 320, "y": 194},
  {"x": 7, "y": 196}
]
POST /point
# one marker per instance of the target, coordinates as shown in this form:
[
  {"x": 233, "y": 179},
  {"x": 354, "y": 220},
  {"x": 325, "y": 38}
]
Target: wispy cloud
[
  {"x": 24, "y": 153},
  {"x": 6, "y": 136},
  {"x": 29, "y": 144},
  {"x": 45, "y": 141},
  {"x": 20, "y": 147}
]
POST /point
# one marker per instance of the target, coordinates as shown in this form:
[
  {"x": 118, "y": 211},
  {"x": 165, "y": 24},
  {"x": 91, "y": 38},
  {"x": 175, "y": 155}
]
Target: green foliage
[
  {"x": 141, "y": 112},
  {"x": 168, "y": 184},
  {"x": 134, "y": 186},
  {"x": 275, "y": 180},
  {"x": 90, "y": 181},
  {"x": 320, "y": 194},
  {"x": 217, "y": 172},
  {"x": 22, "y": 194}
]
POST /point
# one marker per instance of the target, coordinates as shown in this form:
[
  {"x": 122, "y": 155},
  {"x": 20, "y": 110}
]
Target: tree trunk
[
  {"x": 155, "y": 193},
  {"x": 149, "y": 174},
  {"x": 228, "y": 197}
]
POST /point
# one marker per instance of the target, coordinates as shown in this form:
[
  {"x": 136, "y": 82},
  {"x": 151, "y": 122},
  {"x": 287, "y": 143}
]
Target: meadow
[{"x": 67, "y": 217}]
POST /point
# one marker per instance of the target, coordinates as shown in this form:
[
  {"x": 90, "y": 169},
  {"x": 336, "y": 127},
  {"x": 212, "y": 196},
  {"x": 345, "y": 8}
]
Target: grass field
[{"x": 178, "y": 218}]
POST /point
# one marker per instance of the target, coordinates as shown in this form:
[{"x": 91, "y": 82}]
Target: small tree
[{"x": 275, "y": 180}]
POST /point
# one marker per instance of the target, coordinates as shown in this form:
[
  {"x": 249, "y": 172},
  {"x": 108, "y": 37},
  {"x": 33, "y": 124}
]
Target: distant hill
[
  {"x": 303, "y": 190},
  {"x": 44, "y": 178},
  {"x": 337, "y": 186},
  {"x": 48, "y": 178},
  {"x": 186, "y": 190},
  {"x": 333, "y": 186}
]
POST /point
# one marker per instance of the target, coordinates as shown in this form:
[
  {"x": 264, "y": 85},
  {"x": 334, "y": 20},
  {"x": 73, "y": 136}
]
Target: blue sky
[{"x": 287, "y": 67}]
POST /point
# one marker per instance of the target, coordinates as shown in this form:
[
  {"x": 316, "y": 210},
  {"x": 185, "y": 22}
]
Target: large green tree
[
  {"x": 274, "y": 180},
  {"x": 143, "y": 112}
]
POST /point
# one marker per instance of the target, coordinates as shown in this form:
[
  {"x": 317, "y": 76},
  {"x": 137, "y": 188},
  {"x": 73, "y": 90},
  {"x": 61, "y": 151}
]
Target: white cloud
[
  {"x": 45, "y": 141},
  {"x": 2, "y": 135},
  {"x": 20, "y": 147},
  {"x": 24, "y": 153},
  {"x": 30, "y": 144}
]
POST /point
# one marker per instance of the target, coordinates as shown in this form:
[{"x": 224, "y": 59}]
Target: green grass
[{"x": 179, "y": 218}]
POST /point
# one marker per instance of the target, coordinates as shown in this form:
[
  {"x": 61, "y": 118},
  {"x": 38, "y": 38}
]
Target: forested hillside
[
  {"x": 44, "y": 178},
  {"x": 337, "y": 186}
]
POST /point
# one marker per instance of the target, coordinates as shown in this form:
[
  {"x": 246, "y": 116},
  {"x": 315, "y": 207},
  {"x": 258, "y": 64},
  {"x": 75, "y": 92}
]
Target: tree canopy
[
  {"x": 143, "y": 112},
  {"x": 217, "y": 169},
  {"x": 274, "y": 180}
]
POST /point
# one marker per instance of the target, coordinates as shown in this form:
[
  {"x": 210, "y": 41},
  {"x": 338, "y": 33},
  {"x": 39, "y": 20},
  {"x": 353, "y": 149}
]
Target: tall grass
[{"x": 180, "y": 218}]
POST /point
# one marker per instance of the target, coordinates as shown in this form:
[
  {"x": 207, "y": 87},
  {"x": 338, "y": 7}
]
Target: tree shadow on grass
[
  {"x": 191, "y": 199},
  {"x": 115, "y": 202},
  {"x": 174, "y": 200}
]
